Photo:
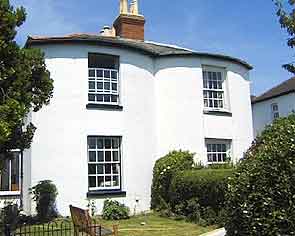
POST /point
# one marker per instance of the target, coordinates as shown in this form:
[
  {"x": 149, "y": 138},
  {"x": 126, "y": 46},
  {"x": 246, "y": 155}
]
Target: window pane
[
  {"x": 92, "y": 181},
  {"x": 5, "y": 177},
  {"x": 15, "y": 172},
  {"x": 108, "y": 143},
  {"x": 100, "y": 143},
  {"x": 91, "y": 169},
  {"x": 100, "y": 181},
  {"x": 91, "y": 73},
  {"x": 114, "y": 98},
  {"x": 100, "y": 169},
  {"x": 115, "y": 156},
  {"x": 116, "y": 181},
  {"x": 91, "y": 97},
  {"x": 115, "y": 142},
  {"x": 116, "y": 168},
  {"x": 92, "y": 156},
  {"x": 108, "y": 181},
  {"x": 108, "y": 156},
  {"x": 114, "y": 86},
  {"x": 91, "y": 143},
  {"x": 99, "y": 98},
  {"x": 107, "y": 86},
  {"x": 100, "y": 85},
  {"x": 107, "y": 98},
  {"x": 107, "y": 74},
  {"x": 114, "y": 74},
  {"x": 100, "y": 155},
  {"x": 99, "y": 73},
  {"x": 108, "y": 168},
  {"x": 91, "y": 85}
]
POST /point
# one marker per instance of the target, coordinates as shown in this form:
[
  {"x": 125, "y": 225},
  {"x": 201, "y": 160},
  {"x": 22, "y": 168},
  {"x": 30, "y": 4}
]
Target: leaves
[
  {"x": 25, "y": 83},
  {"x": 260, "y": 199},
  {"x": 287, "y": 21}
]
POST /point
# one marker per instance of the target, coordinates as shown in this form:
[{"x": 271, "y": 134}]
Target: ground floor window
[
  {"x": 10, "y": 175},
  {"x": 218, "y": 151},
  {"x": 104, "y": 162}
]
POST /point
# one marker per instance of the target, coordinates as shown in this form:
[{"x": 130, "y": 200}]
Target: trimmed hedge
[
  {"x": 199, "y": 195},
  {"x": 163, "y": 172},
  {"x": 261, "y": 197}
]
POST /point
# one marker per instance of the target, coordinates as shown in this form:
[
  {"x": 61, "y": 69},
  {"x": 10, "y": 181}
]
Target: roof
[
  {"x": 282, "y": 89},
  {"x": 150, "y": 48}
]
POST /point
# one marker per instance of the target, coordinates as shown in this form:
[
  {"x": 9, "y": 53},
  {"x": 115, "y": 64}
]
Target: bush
[
  {"x": 113, "y": 210},
  {"x": 200, "y": 194},
  {"x": 44, "y": 194},
  {"x": 261, "y": 193},
  {"x": 10, "y": 214},
  {"x": 163, "y": 172}
]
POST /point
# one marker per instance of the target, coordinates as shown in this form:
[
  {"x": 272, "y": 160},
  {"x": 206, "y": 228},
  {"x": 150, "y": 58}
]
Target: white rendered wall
[
  {"x": 162, "y": 103},
  {"x": 262, "y": 114},
  {"x": 59, "y": 150},
  {"x": 181, "y": 123}
]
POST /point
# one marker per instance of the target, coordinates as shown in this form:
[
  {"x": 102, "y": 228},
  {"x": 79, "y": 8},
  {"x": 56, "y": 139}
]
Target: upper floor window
[
  {"x": 103, "y": 79},
  {"x": 275, "y": 111},
  {"x": 213, "y": 88},
  {"x": 218, "y": 150},
  {"x": 104, "y": 163},
  {"x": 10, "y": 175}
]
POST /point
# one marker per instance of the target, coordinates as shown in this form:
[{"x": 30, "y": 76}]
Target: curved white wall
[{"x": 162, "y": 110}]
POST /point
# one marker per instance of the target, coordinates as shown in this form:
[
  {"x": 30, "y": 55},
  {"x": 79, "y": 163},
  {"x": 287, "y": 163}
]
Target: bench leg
[{"x": 115, "y": 230}]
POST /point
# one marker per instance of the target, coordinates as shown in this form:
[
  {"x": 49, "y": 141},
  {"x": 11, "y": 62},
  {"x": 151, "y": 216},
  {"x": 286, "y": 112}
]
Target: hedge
[
  {"x": 199, "y": 195},
  {"x": 163, "y": 172},
  {"x": 261, "y": 196}
]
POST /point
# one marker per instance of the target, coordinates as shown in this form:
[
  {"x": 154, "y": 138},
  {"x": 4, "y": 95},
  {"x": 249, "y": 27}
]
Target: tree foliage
[
  {"x": 261, "y": 196},
  {"x": 25, "y": 83},
  {"x": 286, "y": 16}
]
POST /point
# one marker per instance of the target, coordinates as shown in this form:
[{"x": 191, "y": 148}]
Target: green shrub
[
  {"x": 163, "y": 172},
  {"x": 200, "y": 194},
  {"x": 44, "y": 194},
  {"x": 113, "y": 210},
  {"x": 261, "y": 196}
]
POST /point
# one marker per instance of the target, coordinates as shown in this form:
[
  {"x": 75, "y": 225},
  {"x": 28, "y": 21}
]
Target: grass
[
  {"x": 158, "y": 226},
  {"x": 154, "y": 226}
]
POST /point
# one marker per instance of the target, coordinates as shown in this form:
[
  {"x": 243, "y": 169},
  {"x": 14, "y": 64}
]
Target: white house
[
  {"x": 119, "y": 104},
  {"x": 276, "y": 102}
]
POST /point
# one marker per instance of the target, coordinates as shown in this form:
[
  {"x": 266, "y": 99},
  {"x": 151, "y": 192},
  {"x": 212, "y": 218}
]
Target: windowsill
[
  {"x": 104, "y": 106},
  {"x": 218, "y": 112},
  {"x": 106, "y": 193},
  {"x": 9, "y": 194}
]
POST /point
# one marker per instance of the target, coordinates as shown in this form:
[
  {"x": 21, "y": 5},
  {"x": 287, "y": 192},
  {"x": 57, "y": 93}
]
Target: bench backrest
[{"x": 82, "y": 220}]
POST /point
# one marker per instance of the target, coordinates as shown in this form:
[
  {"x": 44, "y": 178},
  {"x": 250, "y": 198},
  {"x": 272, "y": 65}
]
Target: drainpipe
[{"x": 21, "y": 178}]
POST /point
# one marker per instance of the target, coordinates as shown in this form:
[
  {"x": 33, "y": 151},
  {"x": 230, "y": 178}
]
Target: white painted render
[
  {"x": 162, "y": 103},
  {"x": 262, "y": 110}
]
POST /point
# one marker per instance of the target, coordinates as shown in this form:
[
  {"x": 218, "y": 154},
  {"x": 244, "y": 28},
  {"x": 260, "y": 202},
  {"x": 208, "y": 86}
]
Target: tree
[
  {"x": 287, "y": 21},
  {"x": 261, "y": 193},
  {"x": 25, "y": 84}
]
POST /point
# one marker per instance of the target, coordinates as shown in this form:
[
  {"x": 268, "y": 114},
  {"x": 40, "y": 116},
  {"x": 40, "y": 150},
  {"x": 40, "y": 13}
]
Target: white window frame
[
  {"x": 228, "y": 145},
  {"x": 10, "y": 192},
  {"x": 112, "y": 162},
  {"x": 100, "y": 77},
  {"x": 275, "y": 113},
  {"x": 222, "y": 90}
]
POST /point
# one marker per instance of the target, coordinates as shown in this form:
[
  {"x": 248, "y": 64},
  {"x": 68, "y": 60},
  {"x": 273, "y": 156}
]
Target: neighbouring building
[
  {"x": 120, "y": 103},
  {"x": 276, "y": 102}
]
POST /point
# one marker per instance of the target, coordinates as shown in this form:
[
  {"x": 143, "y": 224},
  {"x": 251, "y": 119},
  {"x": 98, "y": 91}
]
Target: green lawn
[
  {"x": 154, "y": 226},
  {"x": 158, "y": 226}
]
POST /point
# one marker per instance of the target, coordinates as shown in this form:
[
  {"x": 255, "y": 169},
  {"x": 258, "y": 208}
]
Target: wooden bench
[{"x": 82, "y": 223}]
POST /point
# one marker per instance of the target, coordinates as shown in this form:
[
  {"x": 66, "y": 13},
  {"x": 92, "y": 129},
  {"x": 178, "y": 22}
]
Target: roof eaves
[{"x": 262, "y": 99}]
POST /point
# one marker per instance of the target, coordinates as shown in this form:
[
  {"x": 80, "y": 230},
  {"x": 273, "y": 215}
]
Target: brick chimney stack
[{"x": 130, "y": 24}]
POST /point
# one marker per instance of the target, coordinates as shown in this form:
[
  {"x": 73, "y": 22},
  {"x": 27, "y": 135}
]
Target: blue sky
[{"x": 245, "y": 29}]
